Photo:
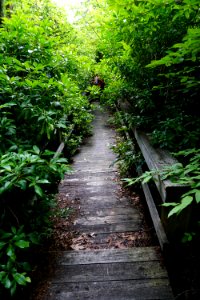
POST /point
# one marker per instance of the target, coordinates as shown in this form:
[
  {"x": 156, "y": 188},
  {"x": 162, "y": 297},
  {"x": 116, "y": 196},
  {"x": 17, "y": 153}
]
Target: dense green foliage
[
  {"x": 149, "y": 53},
  {"x": 150, "y": 57},
  {"x": 188, "y": 175},
  {"x": 44, "y": 68}
]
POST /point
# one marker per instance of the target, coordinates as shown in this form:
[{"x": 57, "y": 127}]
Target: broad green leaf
[
  {"x": 43, "y": 181},
  {"x": 7, "y": 282},
  {"x": 197, "y": 196},
  {"x": 38, "y": 190},
  {"x": 167, "y": 204},
  {"x": 61, "y": 160},
  {"x": 10, "y": 251},
  {"x": 186, "y": 201},
  {"x": 22, "y": 244},
  {"x": 36, "y": 149},
  {"x": 23, "y": 184},
  {"x": 8, "y": 104},
  {"x": 146, "y": 179},
  {"x": 13, "y": 229},
  {"x": 5, "y": 235},
  {"x": 7, "y": 167},
  {"x": 21, "y": 279}
]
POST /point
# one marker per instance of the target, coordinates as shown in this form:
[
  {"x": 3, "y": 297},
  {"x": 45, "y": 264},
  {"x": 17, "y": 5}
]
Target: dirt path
[{"x": 112, "y": 256}]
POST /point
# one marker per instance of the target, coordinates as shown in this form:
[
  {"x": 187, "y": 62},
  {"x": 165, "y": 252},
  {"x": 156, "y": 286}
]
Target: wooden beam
[
  {"x": 162, "y": 237},
  {"x": 158, "y": 159},
  {"x": 160, "y": 232},
  {"x": 109, "y": 256},
  {"x": 62, "y": 144}
]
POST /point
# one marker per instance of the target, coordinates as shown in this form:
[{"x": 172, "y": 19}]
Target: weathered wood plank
[
  {"x": 83, "y": 194},
  {"x": 96, "y": 220},
  {"x": 163, "y": 240},
  {"x": 93, "y": 169},
  {"x": 156, "y": 289},
  {"x": 90, "y": 184},
  {"x": 93, "y": 165},
  {"x": 109, "y": 228},
  {"x": 157, "y": 159},
  {"x": 99, "y": 202},
  {"x": 106, "y": 203},
  {"x": 110, "y": 240},
  {"x": 109, "y": 272},
  {"x": 109, "y": 256},
  {"x": 112, "y": 211},
  {"x": 91, "y": 174},
  {"x": 94, "y": 190},
  {"x": 86, "y": 179},
  {"x": 62, "y": 144}
]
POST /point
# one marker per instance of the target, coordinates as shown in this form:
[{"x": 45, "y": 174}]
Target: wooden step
[{"x": 110, "y": 274}]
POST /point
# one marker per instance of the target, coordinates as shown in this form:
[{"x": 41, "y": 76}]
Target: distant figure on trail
[
  {"x": 96, "y": 79},
  {"x": 99, "y": 82}
]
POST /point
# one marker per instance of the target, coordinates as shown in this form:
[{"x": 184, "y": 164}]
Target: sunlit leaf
[{"x": 22, "y": 244}]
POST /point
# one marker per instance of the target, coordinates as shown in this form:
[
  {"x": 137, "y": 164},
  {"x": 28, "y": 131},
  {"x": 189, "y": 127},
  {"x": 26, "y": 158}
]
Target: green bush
[
  {"x": 13, "y": 271},
  {"x": 150, "y": 57},
  {"x": 43, "y": 73}
]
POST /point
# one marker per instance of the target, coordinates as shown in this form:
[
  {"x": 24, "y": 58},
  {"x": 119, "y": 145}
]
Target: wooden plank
[
  {"x": 109, "y": 256},
  {"x": 89, "y": 192},
  {"x": 162, "y": 238},
  {"x": 109, "y": 271},
  {"x": 98, "y": 201},
  {"x": 60, "y": 149},
  {"x": 94, "y": 169},
  {"x": 106, "y": 204},
  {"x": 62, "y": 144},
  {"x": 112, "y": 211},
  {"x": 148, "y": 289},
  {"x": 110, "y": 188},
  {"x": 121, "y": 240},
  {"x": 157, "y": 159},
  {"x": 89, "y": 174},
  {"x": 90, "y": 184},
  {"x": 83, "y": 177},
  {"x": 96, "y": 220},
  {"x": 95, "y": 165},
  {"x": 109, "y": 228}
]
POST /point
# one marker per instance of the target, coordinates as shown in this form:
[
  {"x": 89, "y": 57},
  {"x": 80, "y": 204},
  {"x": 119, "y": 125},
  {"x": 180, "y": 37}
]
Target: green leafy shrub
[
  {"x": 187, "y": 173},
  {"x": 125, "y": 157},
  {"x": 30, "y": 170},
  {"x": 13, "y": 271},
  {"x": 150, "y": 57},
  {"x": 43, "y": 70}
]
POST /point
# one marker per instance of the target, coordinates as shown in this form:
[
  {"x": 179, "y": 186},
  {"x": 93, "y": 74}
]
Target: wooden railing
[{"x": 168, "y": 191}]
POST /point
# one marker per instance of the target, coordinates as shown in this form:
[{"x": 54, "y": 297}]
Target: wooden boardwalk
[{"x": 102, "y": 273}]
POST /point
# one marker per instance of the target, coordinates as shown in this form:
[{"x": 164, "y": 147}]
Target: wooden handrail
[{"x": 62, "y": 144}]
